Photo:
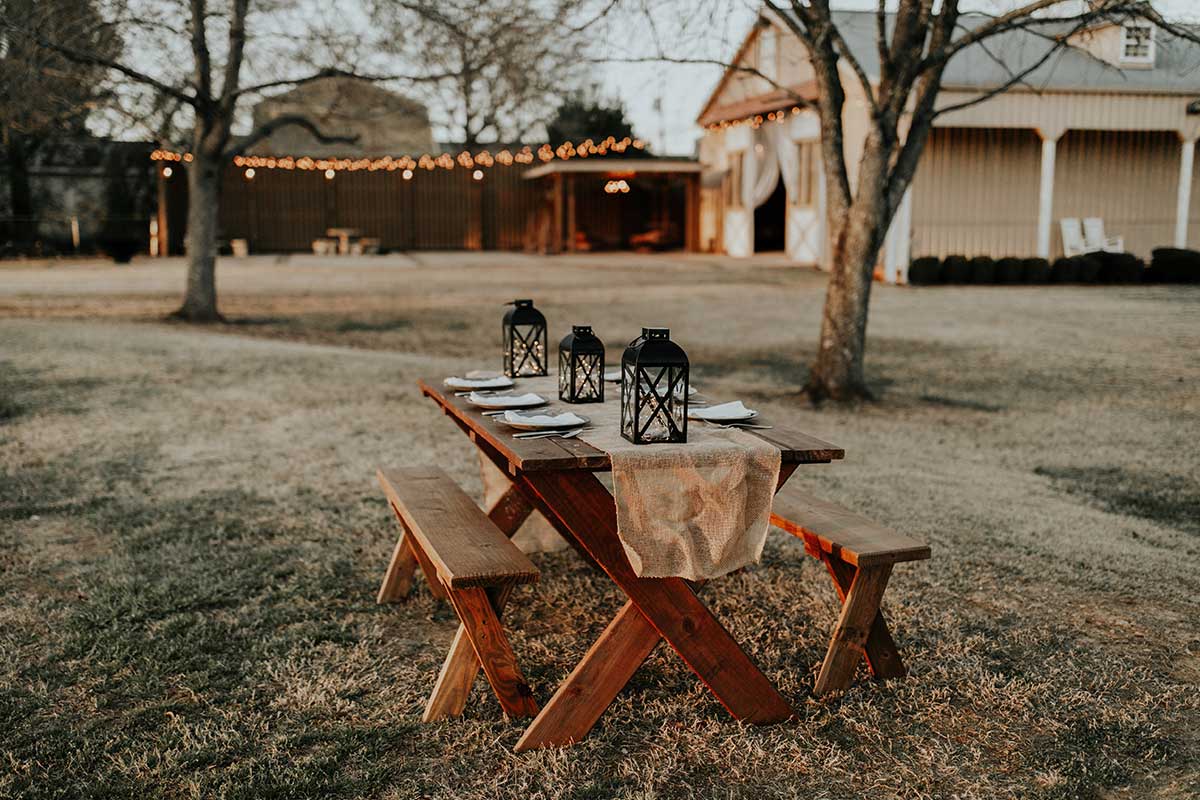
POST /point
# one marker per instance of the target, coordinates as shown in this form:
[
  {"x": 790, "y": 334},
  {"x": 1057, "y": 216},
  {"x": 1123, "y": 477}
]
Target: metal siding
[
  {"x": 975, "y": 193},
  {"x": 1129, "y": 179}
]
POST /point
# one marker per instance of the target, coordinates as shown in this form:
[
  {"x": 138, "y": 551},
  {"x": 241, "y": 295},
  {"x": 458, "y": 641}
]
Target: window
[
  {"x": 810, "y": 165},
  {"x": 1137, "y": 44}
]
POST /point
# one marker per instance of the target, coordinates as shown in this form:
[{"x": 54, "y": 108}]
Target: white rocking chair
[
  {"x": 1095, "y": 240},
  {"x": 1072, "y": 237}
]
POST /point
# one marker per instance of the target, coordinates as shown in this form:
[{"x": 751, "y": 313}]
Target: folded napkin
[
  {"x": 498, "y": 400},
  {"x": 483, "y": 374},
  {"x": 613, "y": 376},
  {"x": 725, "y": 411},
  {"x": 498, "y": 382},
  {"x": 549, "y": 420}
]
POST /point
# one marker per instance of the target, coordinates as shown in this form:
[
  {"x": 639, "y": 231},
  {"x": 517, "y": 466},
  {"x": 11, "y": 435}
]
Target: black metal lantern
[
  {"x": 581, "y": 366},
  {"x": 524, "y": 340},
  {"x": 654, "y": 389}
]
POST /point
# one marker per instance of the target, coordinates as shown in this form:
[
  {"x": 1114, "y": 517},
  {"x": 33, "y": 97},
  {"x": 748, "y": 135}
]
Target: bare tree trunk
[
  {"x": 204, "y": 184},
  {"x": 20, "y": 193},
  {"x": 837, "y": 373}
]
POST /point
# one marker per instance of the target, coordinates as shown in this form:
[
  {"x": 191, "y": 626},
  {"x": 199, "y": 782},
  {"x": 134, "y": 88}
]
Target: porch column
[
  {"x": 1050, "y": 139},
  {"x": 899, "y": 242},
  {"x": 1187, "y": 155}
]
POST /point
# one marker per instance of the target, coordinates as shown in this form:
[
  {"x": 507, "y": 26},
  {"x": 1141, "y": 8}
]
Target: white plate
[
  {"x": 543, "y": 421},
  {"x": 505, "y": 400},
  {"x": 466, "y": 384},
  {"x": 725, "y": 412}
]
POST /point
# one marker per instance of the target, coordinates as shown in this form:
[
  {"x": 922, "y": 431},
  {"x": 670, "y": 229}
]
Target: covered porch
[{"x": 641, "y": 204}]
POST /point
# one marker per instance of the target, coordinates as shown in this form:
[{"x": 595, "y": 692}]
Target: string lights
[
  {"x": 407, "y": 165},
  {"x": 613, "y": 187},
  {"x": 755, "y": 121}
]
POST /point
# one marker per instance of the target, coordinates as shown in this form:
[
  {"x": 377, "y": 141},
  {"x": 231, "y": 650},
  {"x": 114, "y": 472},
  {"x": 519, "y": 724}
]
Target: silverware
[
  {"x": 548, "y": 434},
  {"x": 747, "y": 425}
]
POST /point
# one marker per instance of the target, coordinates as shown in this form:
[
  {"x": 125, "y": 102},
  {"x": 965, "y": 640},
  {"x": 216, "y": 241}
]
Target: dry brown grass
[{"x": 190, "y": 539}]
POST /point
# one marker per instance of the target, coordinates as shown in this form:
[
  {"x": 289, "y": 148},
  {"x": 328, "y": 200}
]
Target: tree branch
[
  {"x": 662, "y": 59},
  {"x": 92, "y": 59},
  {"x": 283, "y": 121},
  {"x": 237, "y": 48},
  {"x": 203, "y": 63}
]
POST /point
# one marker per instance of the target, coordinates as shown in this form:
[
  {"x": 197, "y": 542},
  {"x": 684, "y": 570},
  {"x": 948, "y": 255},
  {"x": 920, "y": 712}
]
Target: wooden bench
[
  {"x": 467, "y": 560},
  {"x": 859, "y": 555}
]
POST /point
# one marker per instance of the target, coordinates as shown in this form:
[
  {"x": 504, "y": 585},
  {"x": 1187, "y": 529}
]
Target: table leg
[
  {"x": 587, "y": 511},
  {"x": 594, "y": 683},
  {"x": 510, "y": 511}
]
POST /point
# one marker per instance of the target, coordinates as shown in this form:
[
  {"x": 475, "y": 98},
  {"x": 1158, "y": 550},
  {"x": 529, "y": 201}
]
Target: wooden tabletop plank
[
  {"x": 557, "y": 454},
  {"x": 526, "y": 454}
]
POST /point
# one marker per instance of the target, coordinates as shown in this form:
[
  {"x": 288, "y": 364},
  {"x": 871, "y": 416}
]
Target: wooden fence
[{"x": 285, "y": 210}]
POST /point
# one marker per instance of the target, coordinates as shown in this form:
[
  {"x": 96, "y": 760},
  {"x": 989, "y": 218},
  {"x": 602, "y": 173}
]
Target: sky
[
  {"x": 662, "y": 100},
  {"x": 683, "y": 88}
]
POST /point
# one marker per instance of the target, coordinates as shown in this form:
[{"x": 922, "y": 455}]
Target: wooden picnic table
[
  {"x": 557, "y": 478},
  {"x": 343, "y": 235}
]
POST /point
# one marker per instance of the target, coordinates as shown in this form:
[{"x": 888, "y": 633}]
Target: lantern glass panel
[
  {"x": 524, "y": 341},
  {"x": 654, "y": 389},
  {"x": 581, "y": 367}
]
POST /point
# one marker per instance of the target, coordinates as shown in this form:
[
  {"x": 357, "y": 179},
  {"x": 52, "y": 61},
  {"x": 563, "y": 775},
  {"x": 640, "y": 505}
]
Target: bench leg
[
  {"x": 397, "y": 581},
  {"x": 454, "y": 682},
  {"x": 482, "y": 627},
  {"x": 847, "y": 644},
  {"x": 883, "y": 656}
]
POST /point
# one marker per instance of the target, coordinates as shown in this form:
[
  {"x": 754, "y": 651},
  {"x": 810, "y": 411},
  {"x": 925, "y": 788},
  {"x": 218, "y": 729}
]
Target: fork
[{"x": 548, "y": 434}]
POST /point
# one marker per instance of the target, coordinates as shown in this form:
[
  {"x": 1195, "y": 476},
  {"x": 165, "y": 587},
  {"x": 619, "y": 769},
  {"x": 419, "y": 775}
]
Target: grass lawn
[{"x": 191, "y": 538}]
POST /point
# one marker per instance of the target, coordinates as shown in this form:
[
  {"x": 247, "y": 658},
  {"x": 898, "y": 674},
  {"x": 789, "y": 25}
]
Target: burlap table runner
[{"x": 696, "y": 510}]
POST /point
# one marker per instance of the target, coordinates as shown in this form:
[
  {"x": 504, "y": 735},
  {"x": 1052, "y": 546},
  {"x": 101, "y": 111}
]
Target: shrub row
[
  {"x": 981, "y": 270},
  {"x": 1169, "y": 265}
]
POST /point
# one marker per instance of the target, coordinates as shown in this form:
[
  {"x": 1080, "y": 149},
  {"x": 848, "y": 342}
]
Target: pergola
[{"x": 620, "y": 203}]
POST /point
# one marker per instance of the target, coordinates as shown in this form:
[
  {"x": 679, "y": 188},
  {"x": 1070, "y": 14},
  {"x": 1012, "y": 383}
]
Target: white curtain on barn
[
  {"x": 760, "y": 171},
  {"x": 787, "y": 154}
]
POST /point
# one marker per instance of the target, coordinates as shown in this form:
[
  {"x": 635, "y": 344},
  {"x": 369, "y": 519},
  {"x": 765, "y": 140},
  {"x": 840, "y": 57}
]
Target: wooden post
[
  {"x": 1187, "y": 154},
  {"x": 164, "y": 239},
  {"x": 570, "y": 191},
  {"x": 691, "y": 224},
  {"x": 1046, "y": 190},
  {"x": 556, "y": 224}
]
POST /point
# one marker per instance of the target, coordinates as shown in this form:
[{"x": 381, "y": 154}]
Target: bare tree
[
  {"x": 189, "y": 55},
  {"x": 505, "y": 65},
  {"x": 44, "y": 96},
  {"x": 903, "y": 104},
  {"x": 913, "y": 45}
]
